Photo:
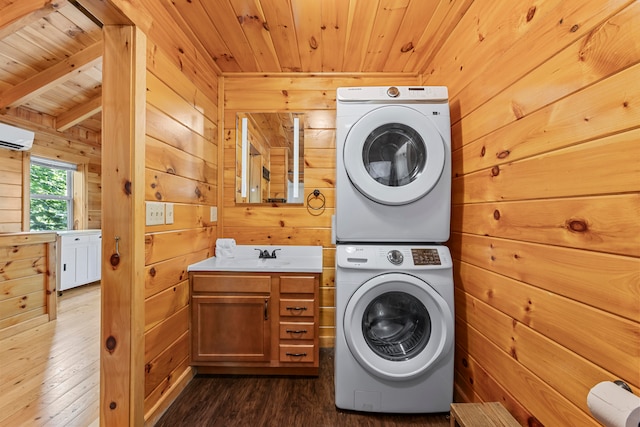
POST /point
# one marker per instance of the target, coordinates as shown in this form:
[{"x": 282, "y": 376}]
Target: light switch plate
[
  {"x": 213, "y": 213},
  {"x": 154, "y": 213},
  {"x": 168, "y": 213}
]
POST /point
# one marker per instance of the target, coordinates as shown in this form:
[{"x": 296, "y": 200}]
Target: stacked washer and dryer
[{"x": 394, "y": 278}]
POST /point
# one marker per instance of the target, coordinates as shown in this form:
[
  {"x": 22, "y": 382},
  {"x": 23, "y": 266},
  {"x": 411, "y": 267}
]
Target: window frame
[{"x": 70, "y": 168}]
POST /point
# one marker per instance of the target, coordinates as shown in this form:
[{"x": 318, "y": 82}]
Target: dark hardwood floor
[{"x": 276, "y": 401}]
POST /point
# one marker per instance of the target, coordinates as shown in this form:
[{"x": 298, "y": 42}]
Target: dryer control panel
[{"x": 373, "y": 94}]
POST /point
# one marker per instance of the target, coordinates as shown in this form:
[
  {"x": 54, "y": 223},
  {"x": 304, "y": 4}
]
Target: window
[{"x": 51, "y": 205}]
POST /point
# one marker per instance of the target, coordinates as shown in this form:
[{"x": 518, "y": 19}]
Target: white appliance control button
[{"x": 395, "y": 257}]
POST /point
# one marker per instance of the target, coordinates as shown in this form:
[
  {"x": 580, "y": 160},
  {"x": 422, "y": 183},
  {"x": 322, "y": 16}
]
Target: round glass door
[
  {"x": 397, "y": 326},
  {"x": 394, "y": 155}
]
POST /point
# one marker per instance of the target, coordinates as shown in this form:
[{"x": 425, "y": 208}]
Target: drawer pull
[
  {"x": 296, "y": 331},
  {"x": 297, "y": 308},
  {"x": 296, "y": 354}
]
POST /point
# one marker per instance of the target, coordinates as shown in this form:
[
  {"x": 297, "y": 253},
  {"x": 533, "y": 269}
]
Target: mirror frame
[{"x": 259, "y": 133}]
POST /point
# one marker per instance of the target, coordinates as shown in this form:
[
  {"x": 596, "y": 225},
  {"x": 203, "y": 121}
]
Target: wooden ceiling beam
[
  {"x": 116, "y": 12},
  {"x": 18, "y": 14},
  {"x": 52, "y": 76},
  {"x": 78, "y": 114},
  {"x": 44, "y": 124}
]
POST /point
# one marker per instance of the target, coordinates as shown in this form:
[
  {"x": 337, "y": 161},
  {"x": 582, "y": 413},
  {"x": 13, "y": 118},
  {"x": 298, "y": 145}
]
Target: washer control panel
[{"x": 393, "y": 257}]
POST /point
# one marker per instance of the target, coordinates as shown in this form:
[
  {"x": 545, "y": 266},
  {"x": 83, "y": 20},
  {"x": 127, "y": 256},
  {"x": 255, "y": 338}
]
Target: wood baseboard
[
  {"x": 155, "y": 413},
  {"x": 24, "y": 326}
]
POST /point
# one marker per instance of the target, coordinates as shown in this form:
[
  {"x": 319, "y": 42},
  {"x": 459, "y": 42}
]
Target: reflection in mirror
[{"x": 269, "y": 157}]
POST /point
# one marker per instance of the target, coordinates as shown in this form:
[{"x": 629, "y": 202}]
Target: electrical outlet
[
  {"x": 213, "y": 213},
  {"x": 168, "y": 213},
  {"x": 154, "y": 213}
]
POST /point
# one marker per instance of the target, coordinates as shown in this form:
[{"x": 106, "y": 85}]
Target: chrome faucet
[{"x": 264, "y": 254}]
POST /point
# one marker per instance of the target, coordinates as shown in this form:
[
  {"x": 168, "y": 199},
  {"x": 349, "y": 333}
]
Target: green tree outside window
[{"x": 51, "y": 206}]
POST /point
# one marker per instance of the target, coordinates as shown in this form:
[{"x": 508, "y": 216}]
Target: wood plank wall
[
  {"x": 27, "y": 281},
  {"x": 11, "y": 178},
  {"x": 545, "y": 235},
  {"x": 292, "y": 224},
  {"x": 74, "y": 146},
  {"x": 180, "y": 168},
  {"x": 94, "y": 196}
]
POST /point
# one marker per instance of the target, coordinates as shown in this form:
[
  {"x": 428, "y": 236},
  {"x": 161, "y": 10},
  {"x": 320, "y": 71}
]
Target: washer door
[
  {"x": 397, "y": 326},
  {"x": 394, "y": 155}
]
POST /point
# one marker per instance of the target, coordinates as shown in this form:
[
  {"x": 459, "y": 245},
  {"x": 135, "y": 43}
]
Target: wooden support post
[{"x": 123, "y": 180}]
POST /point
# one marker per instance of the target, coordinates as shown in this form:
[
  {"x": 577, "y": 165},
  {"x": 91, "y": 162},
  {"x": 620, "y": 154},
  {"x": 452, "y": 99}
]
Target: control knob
[
  {"x": 393, "y": 92},
  {"x": 395, "y": 257}
]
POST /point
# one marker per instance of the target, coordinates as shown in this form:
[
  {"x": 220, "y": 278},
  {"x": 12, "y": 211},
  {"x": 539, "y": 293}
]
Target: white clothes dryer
[
  {"x": 394, "y": 328},
  {"x": 393, "y": 149}
]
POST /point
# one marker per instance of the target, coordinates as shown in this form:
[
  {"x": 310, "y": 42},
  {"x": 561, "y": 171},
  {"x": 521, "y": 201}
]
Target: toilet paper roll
[{"x": 614, "y": 406}]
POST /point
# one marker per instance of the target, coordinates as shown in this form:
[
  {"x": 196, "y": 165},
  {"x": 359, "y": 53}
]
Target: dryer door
[
  {"x": 394, "y": 155},
  {"x": 397, "y": 326}
]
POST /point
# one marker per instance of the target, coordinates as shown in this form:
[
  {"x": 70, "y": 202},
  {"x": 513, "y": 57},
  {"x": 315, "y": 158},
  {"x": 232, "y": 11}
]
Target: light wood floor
[{"x": 50, "y": 375}]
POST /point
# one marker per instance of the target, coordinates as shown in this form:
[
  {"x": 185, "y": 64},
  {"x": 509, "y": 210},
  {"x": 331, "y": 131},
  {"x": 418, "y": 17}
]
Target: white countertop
[
  {"x": 294, "y": 259},
  {"x": 72, "y": 232}
]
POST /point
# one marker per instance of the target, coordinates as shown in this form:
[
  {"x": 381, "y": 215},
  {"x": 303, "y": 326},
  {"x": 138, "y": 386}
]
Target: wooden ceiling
[
  {"x": 50, "y": 59},
  {"x": 51, "y": 63},
  {"x": 319, "y": 35}
]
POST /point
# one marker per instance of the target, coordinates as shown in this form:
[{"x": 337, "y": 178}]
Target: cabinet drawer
[
  {"x": 296, "y": 330},
  {"x": 297, "y": 307},
  {"x": 297, "y": 353},
  {"x": 297, "y": 284},
  {"x": 231, "y": 284},
  {"x": 75, "y": 239}
]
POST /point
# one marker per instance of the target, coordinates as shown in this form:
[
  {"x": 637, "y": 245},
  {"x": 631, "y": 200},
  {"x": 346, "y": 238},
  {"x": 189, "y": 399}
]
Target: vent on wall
[{"x": 14, "y": 138}]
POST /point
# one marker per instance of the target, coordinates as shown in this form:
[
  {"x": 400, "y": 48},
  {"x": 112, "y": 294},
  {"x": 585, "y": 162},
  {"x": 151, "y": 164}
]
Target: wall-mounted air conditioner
[{"x": 15, "y": 138}]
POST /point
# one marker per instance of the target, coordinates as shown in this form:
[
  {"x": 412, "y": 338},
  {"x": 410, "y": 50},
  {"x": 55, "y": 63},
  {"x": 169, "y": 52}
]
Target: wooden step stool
[{"x": 486, "y": 414}]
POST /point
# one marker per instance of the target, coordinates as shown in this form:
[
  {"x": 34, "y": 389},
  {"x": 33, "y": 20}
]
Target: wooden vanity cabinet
[{"x": 255, "y": 323}]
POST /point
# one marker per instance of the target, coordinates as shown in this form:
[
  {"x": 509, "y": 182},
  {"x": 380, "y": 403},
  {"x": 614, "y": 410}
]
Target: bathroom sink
[
  {"x": 246, "y": 258},
  {"x": 271, "y": 262},
  {"x": 243, "y": 262}
]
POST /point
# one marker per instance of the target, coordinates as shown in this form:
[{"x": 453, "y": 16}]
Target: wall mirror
[{"x": 269, "y": 157}]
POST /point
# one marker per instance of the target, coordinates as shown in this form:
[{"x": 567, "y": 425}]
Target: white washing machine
[
  {"x": 393, "y": 148},
  {"x": 394, "y": 328}
]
